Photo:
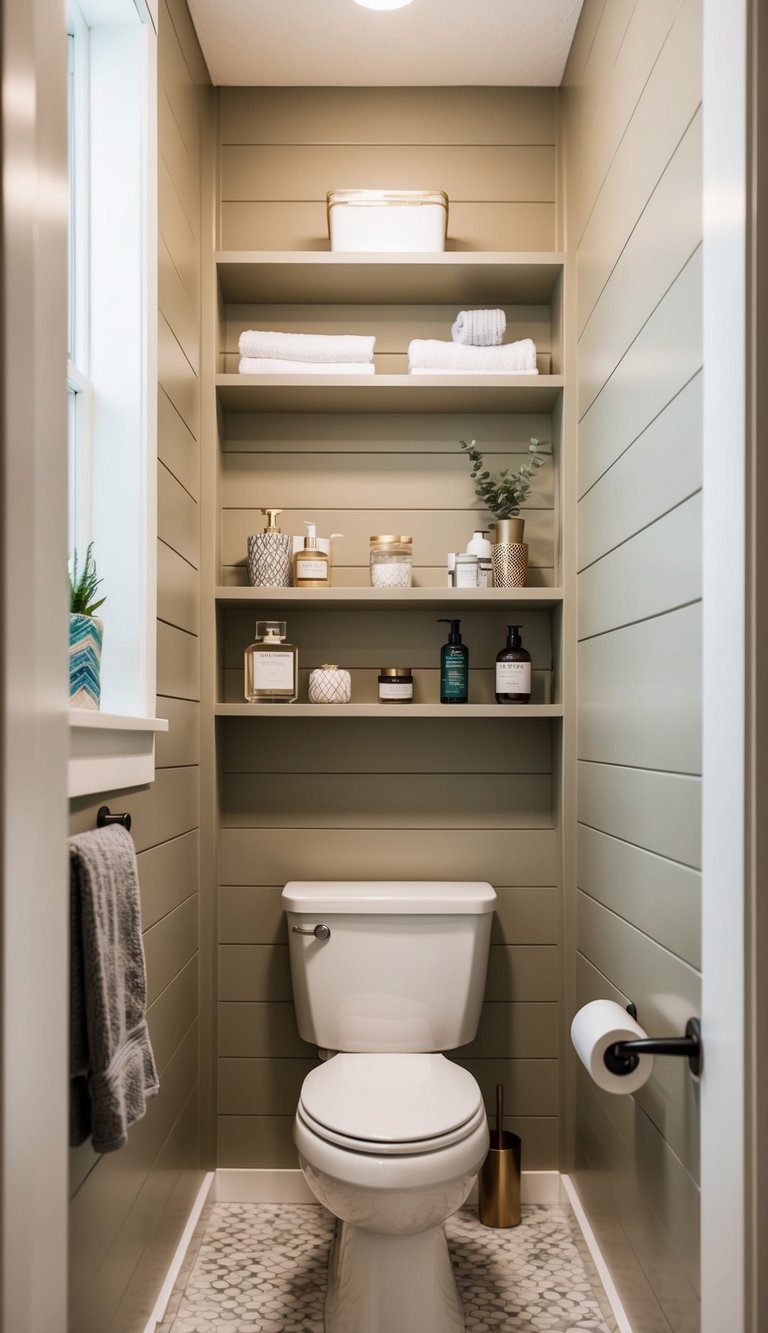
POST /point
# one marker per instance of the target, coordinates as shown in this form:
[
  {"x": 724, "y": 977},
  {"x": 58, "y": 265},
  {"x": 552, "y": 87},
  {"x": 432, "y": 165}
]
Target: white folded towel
[
  {"x": 323, "y": 347},
  {"x": 420, "y": 370},
  {"x": 518, "y": 358},
  {"x": 479, "y": 328},
  {"x": 263, "y": 365}
]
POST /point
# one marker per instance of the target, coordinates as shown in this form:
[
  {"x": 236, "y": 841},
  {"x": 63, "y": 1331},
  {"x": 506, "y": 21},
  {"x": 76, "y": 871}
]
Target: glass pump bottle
[{"x": 271, "y": 666}]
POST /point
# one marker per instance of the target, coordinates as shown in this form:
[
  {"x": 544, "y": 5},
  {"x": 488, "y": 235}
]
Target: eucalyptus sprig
[
  {"x": 505, "y": 493},
  {"x": 83, "y": 584}
]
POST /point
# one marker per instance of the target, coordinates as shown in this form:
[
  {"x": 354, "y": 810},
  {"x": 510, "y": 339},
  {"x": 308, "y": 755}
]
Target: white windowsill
[{"x": 110, "y": 751}]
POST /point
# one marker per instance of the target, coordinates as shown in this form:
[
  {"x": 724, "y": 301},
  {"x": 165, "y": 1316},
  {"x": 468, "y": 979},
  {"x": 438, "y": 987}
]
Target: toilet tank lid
[{"x": 379, "y": 897}]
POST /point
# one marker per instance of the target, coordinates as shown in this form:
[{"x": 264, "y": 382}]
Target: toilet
[{"x": 391, "y": 1135}]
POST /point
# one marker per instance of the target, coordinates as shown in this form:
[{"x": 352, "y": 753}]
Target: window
[{"x": 112, "y": 371}]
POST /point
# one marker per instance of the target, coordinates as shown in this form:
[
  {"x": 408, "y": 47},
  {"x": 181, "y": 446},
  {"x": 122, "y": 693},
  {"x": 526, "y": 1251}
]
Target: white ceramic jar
[{"x": 329, "y": 684}]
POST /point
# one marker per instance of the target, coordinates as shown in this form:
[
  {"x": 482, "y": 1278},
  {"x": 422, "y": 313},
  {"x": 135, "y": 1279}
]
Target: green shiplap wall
[
  {"x": 632, "y": 116},
  {"x": 128, "y": 1209}
]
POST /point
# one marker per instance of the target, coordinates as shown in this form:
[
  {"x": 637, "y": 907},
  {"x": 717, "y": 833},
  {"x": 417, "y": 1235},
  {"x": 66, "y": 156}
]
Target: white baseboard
[
  {"x": 252, "y": 1186},
  {"x": 619, "y": 1313},
  {"x": 174, "y": 1269}
]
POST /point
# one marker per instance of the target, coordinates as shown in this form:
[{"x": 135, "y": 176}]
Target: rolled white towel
[
  {"x": 518, "y": 358},
  {"x": 263, "y": 365},
  {"x": 324, "y": 347},
  {"x": 479, "y": 328}
]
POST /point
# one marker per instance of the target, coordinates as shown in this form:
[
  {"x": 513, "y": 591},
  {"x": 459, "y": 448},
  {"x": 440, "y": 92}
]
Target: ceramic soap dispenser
[
  {"x": 311, "y": 566},
  {"x": 269, "y": 555}
]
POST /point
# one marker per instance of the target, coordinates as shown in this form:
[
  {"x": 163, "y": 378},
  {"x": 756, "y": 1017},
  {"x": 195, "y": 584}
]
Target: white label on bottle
[
  {"x": 307, "y": 568},
  {"x": 466, "y": 574},
  {"x": 273, "y": 671},
  {"x": 513, "y": 677},
  {"x": 395, "y": 689}
]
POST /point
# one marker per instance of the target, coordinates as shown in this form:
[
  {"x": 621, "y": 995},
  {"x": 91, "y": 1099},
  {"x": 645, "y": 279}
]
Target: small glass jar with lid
[{"x": 391, "y": 561}]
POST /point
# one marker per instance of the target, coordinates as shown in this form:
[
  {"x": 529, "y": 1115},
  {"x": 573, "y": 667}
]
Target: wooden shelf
[
  {"x": 457, "y": 711},
  {"x": 387, "y": 599},
  {"x": 388, "y": 393},
  {"x": 490, "y": 278}
]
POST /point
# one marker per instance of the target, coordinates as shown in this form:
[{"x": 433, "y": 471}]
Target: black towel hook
[
  {"x": 624, "y": 1056},
  {"x": 104, "y": 816}
]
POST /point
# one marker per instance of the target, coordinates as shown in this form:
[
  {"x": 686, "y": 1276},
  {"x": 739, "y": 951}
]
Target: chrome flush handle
[{"x": 320, "y": 932}]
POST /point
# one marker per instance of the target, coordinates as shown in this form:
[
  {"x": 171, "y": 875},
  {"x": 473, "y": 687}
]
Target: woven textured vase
[
  {"x": 510, "y": 564},
  {"x": 329, "y": 685},
  {"x": 86, "y": 635}
]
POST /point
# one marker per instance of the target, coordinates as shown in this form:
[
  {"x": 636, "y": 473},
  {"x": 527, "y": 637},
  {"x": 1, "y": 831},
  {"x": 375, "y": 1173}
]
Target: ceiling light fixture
[{"x": 383, "y": 4}]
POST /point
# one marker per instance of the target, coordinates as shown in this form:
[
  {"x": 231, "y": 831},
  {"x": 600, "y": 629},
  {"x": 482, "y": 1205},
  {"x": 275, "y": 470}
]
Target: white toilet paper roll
[{"x": 599, "y": 1025}]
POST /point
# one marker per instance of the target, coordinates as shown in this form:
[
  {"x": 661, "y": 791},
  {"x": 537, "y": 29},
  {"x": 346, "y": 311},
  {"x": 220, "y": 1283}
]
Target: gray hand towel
[{"x": 112, "y": 1069}]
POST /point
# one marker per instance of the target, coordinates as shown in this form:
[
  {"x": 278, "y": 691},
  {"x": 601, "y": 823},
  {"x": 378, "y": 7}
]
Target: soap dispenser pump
[
  {"x": 454, "y": 666},
  {"x": 311, "y": 564},
  {"x": 513, "y": 670}
]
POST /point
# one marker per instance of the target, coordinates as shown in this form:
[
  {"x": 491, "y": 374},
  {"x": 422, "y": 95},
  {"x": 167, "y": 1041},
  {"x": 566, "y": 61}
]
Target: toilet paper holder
[{"x": 624, "y": 1056}]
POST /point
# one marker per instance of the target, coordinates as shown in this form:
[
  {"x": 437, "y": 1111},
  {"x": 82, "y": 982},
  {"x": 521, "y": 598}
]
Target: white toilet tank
[{"x": 396, "y": 966}]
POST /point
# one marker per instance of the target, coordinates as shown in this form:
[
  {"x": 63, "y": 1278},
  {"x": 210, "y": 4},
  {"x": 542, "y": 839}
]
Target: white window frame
[{"x": 115, "y": 747}]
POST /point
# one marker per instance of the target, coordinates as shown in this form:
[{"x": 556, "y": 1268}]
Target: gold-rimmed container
[
  {"x": 391, "y": 561},
  {"x": 499, "y": 1187},
  {"x": 411, "y": 220}
]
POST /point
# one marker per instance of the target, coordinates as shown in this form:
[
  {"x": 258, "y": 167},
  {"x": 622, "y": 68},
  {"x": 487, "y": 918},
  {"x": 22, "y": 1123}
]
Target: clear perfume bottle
[{"x": 271, "y": 666}]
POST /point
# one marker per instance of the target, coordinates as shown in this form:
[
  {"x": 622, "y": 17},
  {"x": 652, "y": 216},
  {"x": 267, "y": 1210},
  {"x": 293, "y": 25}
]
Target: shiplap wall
[
  {"x": 129, "y": 1208},
  {"x": 632, "y": 118},
  {"x": 383, "y": 799}
]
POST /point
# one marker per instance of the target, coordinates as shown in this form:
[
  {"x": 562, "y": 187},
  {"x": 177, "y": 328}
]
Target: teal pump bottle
[{"x": 454, "y": 666}]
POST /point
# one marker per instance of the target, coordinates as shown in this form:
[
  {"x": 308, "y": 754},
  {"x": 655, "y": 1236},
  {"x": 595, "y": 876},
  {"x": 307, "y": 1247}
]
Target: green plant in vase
[
  {"x": 502, "y": 495},
  {"x": 86, "y": 633}
]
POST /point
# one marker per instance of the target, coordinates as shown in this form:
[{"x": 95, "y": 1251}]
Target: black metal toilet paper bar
[{"x": 624, "y": 1056}]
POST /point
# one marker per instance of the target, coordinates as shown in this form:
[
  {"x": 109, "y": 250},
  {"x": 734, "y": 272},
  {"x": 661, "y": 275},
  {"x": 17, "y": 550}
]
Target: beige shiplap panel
[
  {"x": 523, "y": 972},
  {"x": 174, "y": 79},
  {"x": 176, "y": 307},
  {"x": 187, "y": 39},
  {"x": 183, "y": 166},
  {"x": 435, "y": 532},
  {"x": 251, "y": 914},
  {"x": 526, "y": 857},
  {"x": 388, "y": 115},
  {"x": 583, "y": 39},
  {"x": 660, "y": 812},
  {"x": 261, "y": 1029},
  {"x": 530, "y": 1086},
  {"x": 164, "y": 810},
  {"x": 589, "y": 89},
  {"x": 177, "y": 447},
  {"x": 304, "y": 226},
  {"x": 168, "y": 874},
  {"x": 628, "y": 496},
  {"x": 391, "y": 432},
  {"x": 178, "y": 663},
  {"x": 261, "y": 1087},
  {"x": 178, "y": 590},
  {"x": 378, "y": 481},
  {"x": 407, "y": 801},
  {"x": 662, "y": 728},
  {"x": 618, "y": 960},
  {"x": 111, "y": 1299},
  {"x": 532, "y": 1031},
  {"x": 660, "y": 897},
  {"x": 650, "y": 573},
  {"x": 178, "y": 517},
  {"x": 169, "y": 945},
  {"x": 306, "y": 171},
  {"x": 99, "y": 1208},
  {"x": 665, "y": 355},
  {"x": 620, "y": 92},
  {"x": 180, "y": 744},
  {"x": 176, "y": 376},
  {"x": 173, "y": 227},
  {"x": 359, "y": 746},
  {"x": 259, "y": 972},
  {"x": 663, "y": 241},
  {"x": 173, "y": 1013},
  {"x": 267, "y": 1141},
  {"x": 669, "y": 103}
]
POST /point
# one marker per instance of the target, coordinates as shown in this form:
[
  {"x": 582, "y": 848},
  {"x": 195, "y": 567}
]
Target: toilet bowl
[
  {"x": 390, "y": 1133},
  {"x": 391, "y": 1145}
]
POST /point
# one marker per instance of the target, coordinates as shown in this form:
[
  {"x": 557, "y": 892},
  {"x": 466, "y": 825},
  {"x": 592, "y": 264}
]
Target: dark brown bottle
[{"x": 513, "y": 670}]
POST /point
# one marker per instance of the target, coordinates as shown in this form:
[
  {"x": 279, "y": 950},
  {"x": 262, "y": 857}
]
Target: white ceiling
[{"x": 336, "y": 43}]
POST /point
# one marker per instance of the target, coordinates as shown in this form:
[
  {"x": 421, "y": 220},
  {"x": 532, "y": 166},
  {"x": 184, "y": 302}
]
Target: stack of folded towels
[
  {"x": 264, "y": 353},
  {"x": 475, "y": 350}
]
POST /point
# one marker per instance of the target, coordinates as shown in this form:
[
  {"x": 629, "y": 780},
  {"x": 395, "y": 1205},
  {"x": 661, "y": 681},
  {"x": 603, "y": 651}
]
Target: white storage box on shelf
[{"x": 408, "y": 220}]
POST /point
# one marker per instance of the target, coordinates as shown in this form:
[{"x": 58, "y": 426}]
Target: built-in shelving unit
[
  {"x": 388, "y": 393},
  {"x": 353, "y": 599},
  {"x": 455, "y": 712}
]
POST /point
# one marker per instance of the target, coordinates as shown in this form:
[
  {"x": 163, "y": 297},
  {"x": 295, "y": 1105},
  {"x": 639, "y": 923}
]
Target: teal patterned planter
[{"x": 86, "y": 634}]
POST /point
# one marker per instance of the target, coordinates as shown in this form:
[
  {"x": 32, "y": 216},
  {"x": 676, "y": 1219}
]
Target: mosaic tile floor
[{"x": 261, "y": 1268}]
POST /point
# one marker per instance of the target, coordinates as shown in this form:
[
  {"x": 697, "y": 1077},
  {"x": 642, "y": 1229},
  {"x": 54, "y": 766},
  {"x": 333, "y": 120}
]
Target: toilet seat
[{"x": 393, "y": 1104}]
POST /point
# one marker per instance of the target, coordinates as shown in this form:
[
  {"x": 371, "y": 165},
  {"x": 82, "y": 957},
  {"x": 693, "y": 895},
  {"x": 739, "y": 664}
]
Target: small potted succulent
[
  {"x": 86, "y": 633},
  {"x": 503, "y": 495}
]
